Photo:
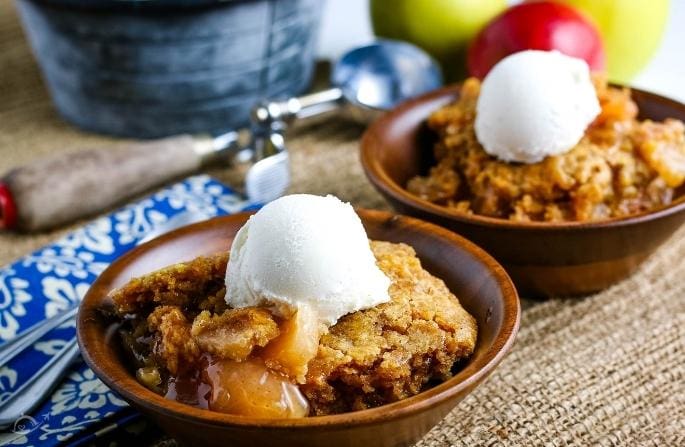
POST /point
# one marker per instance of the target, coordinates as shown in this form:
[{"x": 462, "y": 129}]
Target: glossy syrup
[{"x": 247, "y": 388}]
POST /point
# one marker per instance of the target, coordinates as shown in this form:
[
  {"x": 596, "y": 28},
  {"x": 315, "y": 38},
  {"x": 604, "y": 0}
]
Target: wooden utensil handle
[{"x": 64, "y": 188}]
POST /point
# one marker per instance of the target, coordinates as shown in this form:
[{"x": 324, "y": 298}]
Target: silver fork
[{"x": 32, "y": 393}]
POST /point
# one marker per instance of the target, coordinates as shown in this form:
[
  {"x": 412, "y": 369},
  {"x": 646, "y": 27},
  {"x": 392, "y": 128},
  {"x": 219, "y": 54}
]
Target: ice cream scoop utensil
[
  {"x": 371, "y": 79},
  {"x": 58, "y": 190}
]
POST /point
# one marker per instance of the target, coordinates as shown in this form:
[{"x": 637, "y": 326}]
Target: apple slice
[
  {"x": 248, "y": 388},
  {"x": 296, "y": 345}
]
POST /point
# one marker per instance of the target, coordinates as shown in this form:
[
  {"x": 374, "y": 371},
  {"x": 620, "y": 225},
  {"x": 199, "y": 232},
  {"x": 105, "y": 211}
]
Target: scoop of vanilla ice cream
[
  {"x": 534, "y": 104},
  {"x": 305, "y": 250}
]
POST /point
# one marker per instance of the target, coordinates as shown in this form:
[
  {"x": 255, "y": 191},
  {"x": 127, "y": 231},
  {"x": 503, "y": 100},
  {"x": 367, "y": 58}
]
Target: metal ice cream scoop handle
[{"x": 370, "y": 79}]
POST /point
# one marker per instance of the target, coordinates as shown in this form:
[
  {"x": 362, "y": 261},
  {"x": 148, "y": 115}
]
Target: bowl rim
[
  {"x": 384, "y": 183},
  {"x": 472, "y": 374}
]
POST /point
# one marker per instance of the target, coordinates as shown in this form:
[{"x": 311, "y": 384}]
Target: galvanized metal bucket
[{"x": 154, "y": 68}]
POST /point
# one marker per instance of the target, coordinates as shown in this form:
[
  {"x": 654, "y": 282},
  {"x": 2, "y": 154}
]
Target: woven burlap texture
[{"x": 608, "y": 369}]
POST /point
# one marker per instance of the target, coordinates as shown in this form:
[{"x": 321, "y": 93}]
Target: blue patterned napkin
[{"x": 55, "y": 278}]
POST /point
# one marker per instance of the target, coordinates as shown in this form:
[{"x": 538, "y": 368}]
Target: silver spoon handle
[
  {"x": 10, "y": 349},
  {"x": 319, "y": 102},
  {"x": 301, "y": 107},
  {"x": 33, "y": 392}
]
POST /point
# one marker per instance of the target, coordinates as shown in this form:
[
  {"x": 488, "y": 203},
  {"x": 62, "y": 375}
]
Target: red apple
[{"x": 540, "y": 25}]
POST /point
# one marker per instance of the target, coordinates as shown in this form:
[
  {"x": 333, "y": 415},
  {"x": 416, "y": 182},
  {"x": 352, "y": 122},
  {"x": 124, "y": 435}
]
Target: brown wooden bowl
[
  {"x": 543, "y": 259},
  {"x": 481, "y": 284}
]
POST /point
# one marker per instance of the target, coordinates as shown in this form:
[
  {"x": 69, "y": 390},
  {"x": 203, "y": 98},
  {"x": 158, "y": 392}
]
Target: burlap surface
[{"x": 603, "y": 370}]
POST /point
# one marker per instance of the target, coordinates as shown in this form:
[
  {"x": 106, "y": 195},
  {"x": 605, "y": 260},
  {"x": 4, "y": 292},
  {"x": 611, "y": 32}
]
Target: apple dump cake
[
  {"x": 542, "y": 151},
  {"x": 194, "y": 338}
]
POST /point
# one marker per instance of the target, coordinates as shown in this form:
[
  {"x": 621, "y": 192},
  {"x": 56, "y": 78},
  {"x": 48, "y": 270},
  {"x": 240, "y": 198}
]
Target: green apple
[
  {"x": 441, "y": 27},
  {"x": 631, "y": 31}
]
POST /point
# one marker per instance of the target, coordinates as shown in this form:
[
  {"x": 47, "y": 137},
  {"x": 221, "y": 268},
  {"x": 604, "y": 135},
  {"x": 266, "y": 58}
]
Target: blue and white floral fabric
[{"x": 55, "y": 278}]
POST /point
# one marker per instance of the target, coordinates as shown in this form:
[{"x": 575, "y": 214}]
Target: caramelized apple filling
[
  {"x": 187, "y": 345},
  {"x": 250, "y": 388},
  {"x": 229, "y": 372}
]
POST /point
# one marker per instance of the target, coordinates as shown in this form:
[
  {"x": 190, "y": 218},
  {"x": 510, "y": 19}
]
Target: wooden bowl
[
  {"x": 481, "y": 284},
  {"x": 543, "y": 259}
]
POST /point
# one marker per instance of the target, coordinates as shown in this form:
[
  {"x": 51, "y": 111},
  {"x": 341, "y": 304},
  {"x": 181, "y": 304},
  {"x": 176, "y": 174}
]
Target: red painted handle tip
[{"x": 8, "y": 209}]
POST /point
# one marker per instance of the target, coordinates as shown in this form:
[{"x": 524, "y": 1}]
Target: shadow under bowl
[
  {"x": 481, "y": 284},
  {"x": 543, "y": 259}
]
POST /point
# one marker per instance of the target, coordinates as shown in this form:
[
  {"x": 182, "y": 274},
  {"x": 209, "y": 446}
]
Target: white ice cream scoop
[
  {"x": 534, "y": 104},
  {"x": 305, "y": 250}
]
